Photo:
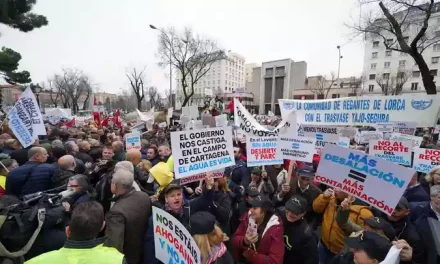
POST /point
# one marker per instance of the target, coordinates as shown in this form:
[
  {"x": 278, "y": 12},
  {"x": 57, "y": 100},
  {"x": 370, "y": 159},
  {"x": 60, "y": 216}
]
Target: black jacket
[
  {"x": 300, "y": 242},
  {"x": 61, "y": 177},
  {"x": 221, "y": 208},
  {"x": 407, "y": 231},
  {"x": 84, "y": 157},
  {"x": 21, "y": 155}
]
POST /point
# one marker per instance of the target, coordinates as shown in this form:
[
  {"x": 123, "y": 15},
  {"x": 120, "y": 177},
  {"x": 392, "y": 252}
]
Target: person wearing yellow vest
[
  {"x": 82, "y": 245},
  {"x": 7, "y": 165}
]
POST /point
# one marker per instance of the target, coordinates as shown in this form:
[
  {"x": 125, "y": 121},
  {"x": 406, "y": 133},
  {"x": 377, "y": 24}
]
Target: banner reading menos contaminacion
[
  {"x": 422, "y": 109},
  {"x": 197, "y": 151}
]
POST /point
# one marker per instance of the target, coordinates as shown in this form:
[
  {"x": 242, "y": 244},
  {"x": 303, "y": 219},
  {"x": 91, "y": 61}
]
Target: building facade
[
  {"x": 319, "y": 87},
  {"x": 224, "y": 76},
  {"x": 276, "y": 80},
  {"x": 381, "y": 64},
  {"x": 249, "y": 70}
]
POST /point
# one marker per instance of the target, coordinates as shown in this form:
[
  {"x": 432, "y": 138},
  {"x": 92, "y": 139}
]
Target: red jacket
[{"x": 270, "y": 250}]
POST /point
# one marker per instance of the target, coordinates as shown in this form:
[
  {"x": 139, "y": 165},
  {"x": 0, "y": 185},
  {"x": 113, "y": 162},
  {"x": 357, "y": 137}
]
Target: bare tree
[
  {"x": 357, "y": 85},
  {"x": 392, "y": 84},
  {"x": 396, "y": 21},
  {"x": 321, "y": 85},
  {"x": 190, "y": 54},
  {"x": 137, "y": 80}
]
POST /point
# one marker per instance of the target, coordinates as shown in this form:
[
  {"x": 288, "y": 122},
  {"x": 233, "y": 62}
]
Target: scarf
[
  {"x": 216, "y": 252},
  {"x": 178, "y": 212}
]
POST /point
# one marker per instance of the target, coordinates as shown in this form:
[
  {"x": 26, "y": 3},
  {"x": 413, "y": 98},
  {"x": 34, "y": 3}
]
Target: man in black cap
[
  {"x": 302, "y": 186},
  {"x": 368, "y": 247},
  {"x": 401, "y": 222},
  {"x": 249, "y": 194},
  {"x": 301, "y": 245}
]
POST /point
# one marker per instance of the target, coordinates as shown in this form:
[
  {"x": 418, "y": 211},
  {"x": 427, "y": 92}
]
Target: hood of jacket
[{"x": 162, "y": 174}]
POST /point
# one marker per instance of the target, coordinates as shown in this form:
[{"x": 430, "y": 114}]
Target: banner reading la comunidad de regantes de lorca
[{"x": 351, "y": 111}]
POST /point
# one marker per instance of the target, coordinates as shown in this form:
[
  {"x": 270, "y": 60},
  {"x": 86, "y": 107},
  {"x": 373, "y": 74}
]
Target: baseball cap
[
  {"x": 172, "y": 186},
  {"x": 256, "y": 170},
  {"x": 202, "y": 223},
  {"x": 381, "y": 224},
  {"x": 374, "y": 245},
  {"x": 252, "y": 191},
  {"x": 261, "y": 201},
  {"x": 296, "y": 205},
  {"x": 403, "y": 204},
  {"x": 306, "y": 171}
]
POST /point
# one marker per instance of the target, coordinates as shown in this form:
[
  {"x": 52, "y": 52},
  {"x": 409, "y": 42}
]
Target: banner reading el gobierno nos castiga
[{"x": 366, "y": 110}]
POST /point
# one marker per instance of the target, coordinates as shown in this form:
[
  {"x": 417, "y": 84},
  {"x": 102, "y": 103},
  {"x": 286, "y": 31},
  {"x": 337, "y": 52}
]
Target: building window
[
  {"x": 436, "y": 47},
  {"x": 387, "y": 64},
  {"x": 401, "y": 74},
  {"x": 372, "y": 76},
  {"x": 416, "y": 74},
  {"x": 373, "y": 55},
  {"x": 414, "y": 86},
  {"x": 403, "y": 54},
  {"x": 336, "y": 95},
  {"x": 375, "y": 44},
  {"x": 433, "y": 72},
  {"x": 373, "y": 66},
  {"x": 386, "y": 76},
  {"x": 402, "y": 63},
  {"x": 388, "y": 53},
  {"x": 434, "y": 60},
  {"x": 370, "y": 88},
  {"x": 390, "y": 42}
]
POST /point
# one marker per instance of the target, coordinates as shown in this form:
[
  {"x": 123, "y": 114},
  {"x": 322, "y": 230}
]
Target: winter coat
[
  {"x": 301, "y": 244},
  {"x": 21, "y": 155},
  {"x": 84, "y": 157},
  {"x": 416, "y": 194},
  {"x": 424, "y": 212},
  {"x": 8, "y": 150},
  {"x": 407, "y": 231},
  {"x": 239, "y": 173},
  {"x": 221, "y": 208},
  {"x": 332, "y": 235},
  {"x": 310, "y": 194},
  {"x": 273, "y": 173},
  {"x": 190, "y": 207},
  {"x": 119, "y": 156},
  {"x": 266, "y": 188},
  {"x": 95, "y": 153},
  {"x": 153, "y": 161},
  {"x": 30, "y": 178},
  {"x": 269, "y": 248},
  {"x": 61, "y": 177},
  {"x": 125, "y": 224}
]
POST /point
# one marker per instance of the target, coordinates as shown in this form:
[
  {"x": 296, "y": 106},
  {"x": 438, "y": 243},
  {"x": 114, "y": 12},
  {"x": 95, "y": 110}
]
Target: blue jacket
[
  {"x": 240, "y": 174},
  {"x": 420, "y": 209},
  {"x": 29, "y": 178},
  {"x": 416, "y": 194},
  {"x": 190, "y": 207}
]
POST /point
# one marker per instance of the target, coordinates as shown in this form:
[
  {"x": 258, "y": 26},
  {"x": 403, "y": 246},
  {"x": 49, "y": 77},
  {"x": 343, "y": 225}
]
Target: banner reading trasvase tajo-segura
[{"x": 366, "y": 110}]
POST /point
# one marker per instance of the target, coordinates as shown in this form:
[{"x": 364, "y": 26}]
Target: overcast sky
[{"x": 105, "y": 37}]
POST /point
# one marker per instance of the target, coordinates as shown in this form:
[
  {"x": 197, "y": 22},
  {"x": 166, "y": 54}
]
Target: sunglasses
[{"x": 73, "y": 186}]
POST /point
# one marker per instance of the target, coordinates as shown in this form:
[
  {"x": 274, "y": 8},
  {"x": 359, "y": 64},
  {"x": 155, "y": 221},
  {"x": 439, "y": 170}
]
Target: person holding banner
[
  {"x": 209, "y": 238},
  {"x": 259, "y": 238}
]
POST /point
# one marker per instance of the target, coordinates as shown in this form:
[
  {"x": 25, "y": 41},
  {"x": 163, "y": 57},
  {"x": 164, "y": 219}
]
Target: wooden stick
[{"x": 289, "y": 171}]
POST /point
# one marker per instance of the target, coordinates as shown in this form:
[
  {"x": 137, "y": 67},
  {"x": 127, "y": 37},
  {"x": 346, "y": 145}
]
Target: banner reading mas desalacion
[
  {"x": 422, "y": 109},
  {"x": 172, "y": 242}
]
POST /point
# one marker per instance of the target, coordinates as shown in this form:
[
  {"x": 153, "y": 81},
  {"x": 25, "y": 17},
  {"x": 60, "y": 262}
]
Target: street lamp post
[
  {"x": 171, "y": 68},
  {"x": 37, "y": 90},
  {"x": 339, "y": 58}
]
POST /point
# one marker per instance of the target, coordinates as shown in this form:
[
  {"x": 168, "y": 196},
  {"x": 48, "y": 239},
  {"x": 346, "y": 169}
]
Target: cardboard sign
[
  {"x": 262, "y": 151},
  {"x": 201, "y": 176},
  {"x": 363, "y": 137},
  {"x": 198, "y": 151},
  {"x": 133, "y": 141},
  {"x": 406, "y": 128},
  {"x": 296, "y": 148},
  {"x": 351, "y": 111},
  {"x": 416, "y": 141},
  {"x": 348, "y": 132},
  {"x": 221, "y": 120},
  {"x": 344, "y": 142},
  {"x": 393, "y": 151},
  {"x": 172, "y": 242},
  {"x": 375, "y": 181},
  {"x": 426, "y": 159},
  {"x": 79, "y": 121},
  {"x": 385, "y": 128}
]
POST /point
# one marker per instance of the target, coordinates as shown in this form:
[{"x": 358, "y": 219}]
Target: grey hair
[
  {"x": 429, "y": 175},
  {"x": 123, "y": 178},
  {"x": 435, "y": 191},
  {"x": 69, "y": 146},
  {"x": 125, "y": 166},
  {"x": 57, "y": 144}
]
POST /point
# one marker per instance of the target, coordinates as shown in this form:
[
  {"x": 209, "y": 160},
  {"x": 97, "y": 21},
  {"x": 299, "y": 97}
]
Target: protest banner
[
  {"x": 244, "y": 120},
  {"x": 398, "y": 152},
  {"x": 25, "y": 119},
  {"x": 406, "y": 128},
  {"x": 133, "y": 141},
  {"x": 208, "y": 120},
  {"x": 385, "y": 128},
  {"x": 191, "y": 111},
  {"x": 172, "y": 242},
  {"x": 221, "y": 120},
  {"x": 344, "y": 142},
  {"x": 146, "y": 117},
  {"x": 375, "y": 181},
  {"x": 351, "y": 111},
  {"x": 80, "y": 121},
  {"x": 363, "y": 137},
  {"x": 426, "y": 159},
  {"x": 348, "y": 132},
  {"x": 416, "y": 141},
  {"x": 198, "y": 151},
  {"x": 262, "y": 151},
  {"x": 296, "y": 148},
  {"x": 201, "y": 176}
]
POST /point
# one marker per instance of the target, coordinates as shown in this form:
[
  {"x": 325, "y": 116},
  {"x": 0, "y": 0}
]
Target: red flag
[
  {"x": 94, "y": 101},
  {"x": 116, "y": 118},
  {"x": 105, "y": 122},
  {"x": 97, "y": 118},
  {"x": 70, "y": 123}
]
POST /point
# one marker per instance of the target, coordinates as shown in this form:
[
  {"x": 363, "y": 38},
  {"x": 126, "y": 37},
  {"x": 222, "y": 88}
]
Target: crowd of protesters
[{"x": 109, "y": 193}]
